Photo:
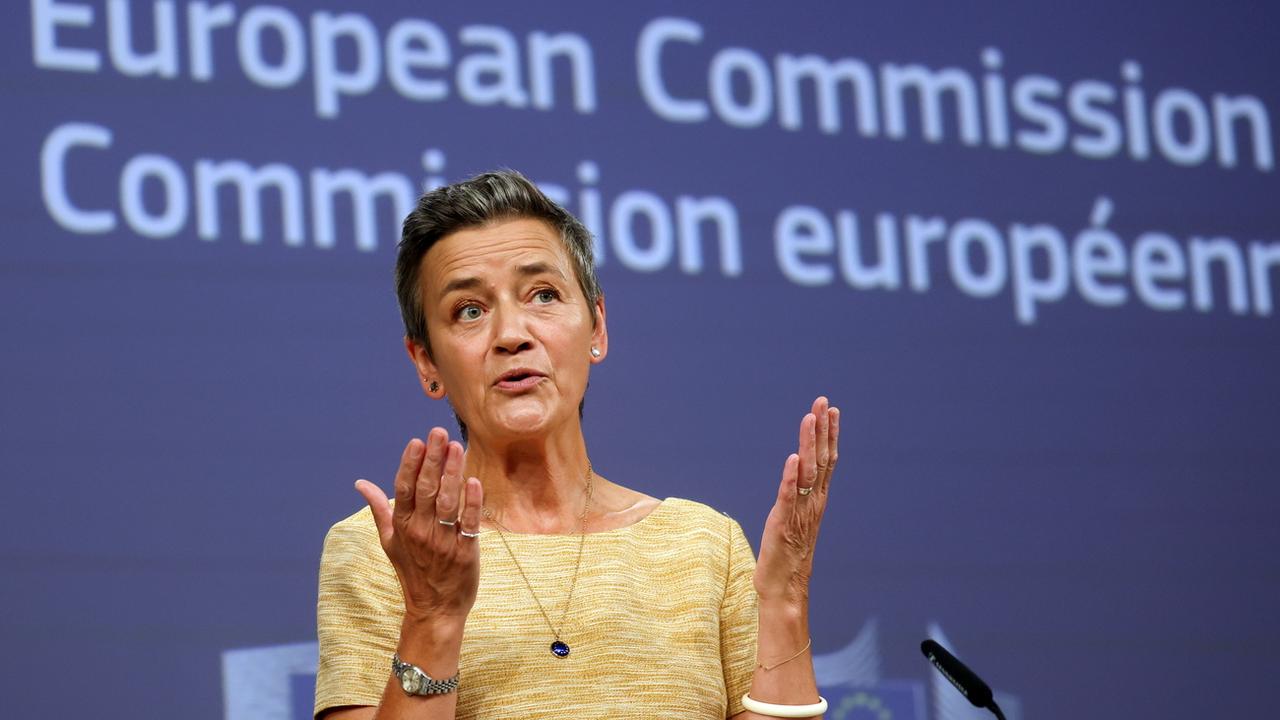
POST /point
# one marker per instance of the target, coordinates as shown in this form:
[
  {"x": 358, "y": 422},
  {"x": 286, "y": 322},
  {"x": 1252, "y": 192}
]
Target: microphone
[{"x": 968, "y": 683}]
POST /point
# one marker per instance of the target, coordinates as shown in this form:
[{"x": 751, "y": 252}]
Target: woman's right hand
[{"x": 438, "y": 566}]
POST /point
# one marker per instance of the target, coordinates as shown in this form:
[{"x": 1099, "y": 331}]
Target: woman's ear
[
  {"x": 428, "y": 374},
  {"x": 599, "y": 334}
]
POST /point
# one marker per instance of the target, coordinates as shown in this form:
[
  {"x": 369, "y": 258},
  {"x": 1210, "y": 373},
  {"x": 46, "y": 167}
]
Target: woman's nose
[{"x": 511, "y": 331}]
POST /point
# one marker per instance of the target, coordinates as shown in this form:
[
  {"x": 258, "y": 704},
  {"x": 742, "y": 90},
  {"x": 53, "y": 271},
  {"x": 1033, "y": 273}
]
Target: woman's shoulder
[
  {"x": 360, "y": 521},
  {"x": 697, "y": 511},
  {"x": 684, "y": 518},
  {"x": 357, "y": 530},
  {"x": 622, "y": 507},
  {"x": 352, "y": 555},
  {"x": 703, "y": 534}
]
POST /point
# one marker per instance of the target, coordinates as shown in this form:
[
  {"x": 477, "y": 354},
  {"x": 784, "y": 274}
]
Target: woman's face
[{"x": 511, "y": 331}]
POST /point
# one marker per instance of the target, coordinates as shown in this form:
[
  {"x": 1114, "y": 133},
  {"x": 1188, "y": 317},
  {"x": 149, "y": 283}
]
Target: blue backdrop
[{"x": 1031, "y": 252}]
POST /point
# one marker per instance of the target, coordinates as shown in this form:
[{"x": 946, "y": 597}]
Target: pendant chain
[{"x": 582, "y": 537}]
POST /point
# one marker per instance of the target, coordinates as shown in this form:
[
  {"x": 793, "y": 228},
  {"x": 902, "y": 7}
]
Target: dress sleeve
[
  {"x": 738, "y": 619},
  {"x": 358, "y": 616}
]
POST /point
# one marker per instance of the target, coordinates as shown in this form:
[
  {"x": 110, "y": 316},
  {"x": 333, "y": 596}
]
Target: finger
[
  {"x": 834, "y": 440},
  {"x": 380, "y": 506},
  {"x": 808, "y": 451},
  {"x": 447, "y": 499},
  {"x": 471, "y": 506},
  {"x": 787, "y": 488},
  {"x": 428, "y": 480},
  {"x": 410, "y": 461},
  {"x": 823, "y": 431}
]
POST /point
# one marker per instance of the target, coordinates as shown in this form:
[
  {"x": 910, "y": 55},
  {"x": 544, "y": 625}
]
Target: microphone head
[{"x": 969, "y": 684}]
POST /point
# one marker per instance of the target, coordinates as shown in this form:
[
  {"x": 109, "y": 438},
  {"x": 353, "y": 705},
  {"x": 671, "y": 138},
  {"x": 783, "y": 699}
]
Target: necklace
[{"x": 559, "y": 648}]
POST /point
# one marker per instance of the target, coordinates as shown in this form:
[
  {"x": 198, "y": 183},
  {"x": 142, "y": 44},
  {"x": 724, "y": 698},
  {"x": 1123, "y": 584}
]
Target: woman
[{"x": 509, "y": 579}]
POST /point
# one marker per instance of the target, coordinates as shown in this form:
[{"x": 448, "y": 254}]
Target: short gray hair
[{"x": 474, "y": 202}]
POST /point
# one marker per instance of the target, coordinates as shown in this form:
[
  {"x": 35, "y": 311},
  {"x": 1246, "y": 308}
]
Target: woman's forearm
[
  {"x": 783, "y": 631},
  {"x": 435, "y": 647}
]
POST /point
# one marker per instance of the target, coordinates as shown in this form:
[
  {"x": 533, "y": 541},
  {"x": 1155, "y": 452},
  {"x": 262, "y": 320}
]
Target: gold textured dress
[{"x": 662, "y": 623}]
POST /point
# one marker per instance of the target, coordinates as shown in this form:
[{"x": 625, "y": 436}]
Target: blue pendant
[{"x": 560, "y": 649}]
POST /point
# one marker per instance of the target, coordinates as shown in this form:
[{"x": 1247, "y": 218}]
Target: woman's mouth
[{"x": 518, "y": 380}]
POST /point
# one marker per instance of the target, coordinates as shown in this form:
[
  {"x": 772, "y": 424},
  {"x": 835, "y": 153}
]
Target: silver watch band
[{"x": 416, "y": 682}]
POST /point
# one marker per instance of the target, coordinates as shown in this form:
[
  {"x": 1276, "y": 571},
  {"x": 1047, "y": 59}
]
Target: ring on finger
[
  {"x": 447, "y": 523},
  {"x": 804, "y": 490},
  {"x": 466, "y": 534}
]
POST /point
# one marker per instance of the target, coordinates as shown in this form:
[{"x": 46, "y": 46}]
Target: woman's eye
[
  {"x": 545, "y": 296},
  {"x": 470, "y": 312}
]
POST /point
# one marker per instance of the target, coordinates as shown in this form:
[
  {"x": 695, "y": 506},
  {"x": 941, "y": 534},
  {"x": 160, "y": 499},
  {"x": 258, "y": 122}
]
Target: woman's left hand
[{"x": 791, "y": 531}]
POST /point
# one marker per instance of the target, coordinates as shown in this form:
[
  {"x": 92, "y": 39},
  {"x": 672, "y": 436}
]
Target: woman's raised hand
[
  {"x": 438, "y": 566},
  {"x": 791, "y": 531}
]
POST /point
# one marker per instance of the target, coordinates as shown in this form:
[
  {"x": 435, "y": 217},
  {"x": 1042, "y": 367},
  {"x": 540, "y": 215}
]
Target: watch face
[{"x": 409, "y": 680}]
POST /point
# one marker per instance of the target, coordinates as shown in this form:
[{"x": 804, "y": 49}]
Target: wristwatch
[{"x": 416, "y": 682}]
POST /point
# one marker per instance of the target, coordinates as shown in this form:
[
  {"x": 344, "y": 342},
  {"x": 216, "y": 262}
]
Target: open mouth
[{"x": 518, "y": 379}]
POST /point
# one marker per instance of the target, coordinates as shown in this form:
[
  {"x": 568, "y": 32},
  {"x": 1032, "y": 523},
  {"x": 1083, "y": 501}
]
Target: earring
[
  {"x": 434, "y": 386},
  {"x": 595, "y": 352}
]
